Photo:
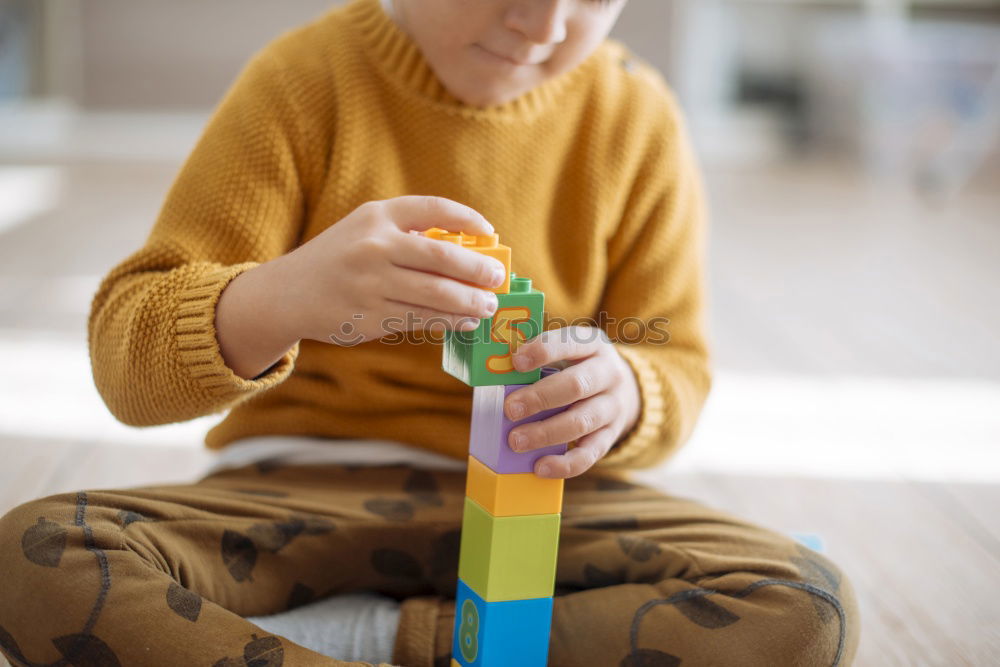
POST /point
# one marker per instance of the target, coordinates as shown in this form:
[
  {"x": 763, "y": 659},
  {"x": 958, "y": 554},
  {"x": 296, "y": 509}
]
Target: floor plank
[
  {"x": 38, "y": 468},
  {"x": 975, "y": 506}
]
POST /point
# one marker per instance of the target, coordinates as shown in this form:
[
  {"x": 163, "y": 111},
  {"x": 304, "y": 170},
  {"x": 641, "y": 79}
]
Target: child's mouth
[{"x": 495, "y": 57}]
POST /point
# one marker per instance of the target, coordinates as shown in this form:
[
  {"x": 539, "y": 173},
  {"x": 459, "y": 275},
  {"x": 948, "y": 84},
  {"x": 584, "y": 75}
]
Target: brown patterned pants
[{"x": 165, "y": 575}]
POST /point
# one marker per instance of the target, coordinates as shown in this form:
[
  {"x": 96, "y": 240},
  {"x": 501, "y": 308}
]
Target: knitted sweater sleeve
[
  {"x": 238, "y": 201},
  {"x": 656, "y": 276}
]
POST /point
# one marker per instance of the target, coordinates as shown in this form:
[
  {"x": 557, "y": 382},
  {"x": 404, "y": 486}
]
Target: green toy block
[
  {"x": 482, "y": 357},
  {"x": 508, "y": 557}
]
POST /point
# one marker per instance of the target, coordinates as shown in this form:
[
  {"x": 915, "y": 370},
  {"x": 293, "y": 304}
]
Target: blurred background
[{"x": 852, "y": 154}]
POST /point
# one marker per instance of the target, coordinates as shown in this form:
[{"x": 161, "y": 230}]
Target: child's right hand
[
  {"x": 344, "y": 284},
  {"x": 341, "y": 286}
]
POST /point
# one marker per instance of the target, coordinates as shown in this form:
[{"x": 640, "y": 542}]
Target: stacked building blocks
[
  {"x": 511, "y": 494},
  {"x": 500, "y": 633},
  {"x": 490, "y": 430},
  {"x": 488, "y": 245},
  {"x": 482, "y": 357},
  {"x": 510, "y": 524}
]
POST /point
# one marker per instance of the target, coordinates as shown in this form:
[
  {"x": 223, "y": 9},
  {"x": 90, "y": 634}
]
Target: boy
[{"x": 281, "y": 251}]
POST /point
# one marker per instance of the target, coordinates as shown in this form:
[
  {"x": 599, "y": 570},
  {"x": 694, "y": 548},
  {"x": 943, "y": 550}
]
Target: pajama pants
[{"x": 165, "y": 575}]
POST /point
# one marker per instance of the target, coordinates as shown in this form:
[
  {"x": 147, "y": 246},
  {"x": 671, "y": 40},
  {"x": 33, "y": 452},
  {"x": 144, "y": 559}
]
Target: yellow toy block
[
  {"x": 488, "y": 245},
  {"x": 512, "y": 494}
]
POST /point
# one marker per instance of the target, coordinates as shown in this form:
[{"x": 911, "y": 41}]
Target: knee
[
  {"x": 852, "y": 618},
  {"x": 767, "y": 621},
  {"x": 803, "y": 616},
  {"x": 34, "y": 540},
  {"x": 825, "y": 618},
  {"x": 796, "y": 622},
  {"x": 34, "y": 537},
  {"x": 34, "y": 529}
]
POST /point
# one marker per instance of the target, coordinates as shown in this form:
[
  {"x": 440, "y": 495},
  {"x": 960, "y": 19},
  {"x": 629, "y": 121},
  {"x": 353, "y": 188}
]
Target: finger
[
  {"x": 448, "y": 259},
  {"x": 554, "y": 345},
  {"x": 578, "y": 460},
  {"x": 581, "y": 419},
  {"x": 438, "y": 293},
  {"x": 421, "y": 212},
  {"x": 427, "y": 319},
  {"x": 573, "y": 384}
]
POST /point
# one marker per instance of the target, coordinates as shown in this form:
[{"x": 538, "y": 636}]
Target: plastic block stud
[
  {"x": 500, "y": 634},
  {"x": 512, "y": 495},
  {"x": 488, "y": 245},
  {"x": 483, "y": 357},
  {"x": 508, "y": 557},
  {"x": 491, "y": 430}
]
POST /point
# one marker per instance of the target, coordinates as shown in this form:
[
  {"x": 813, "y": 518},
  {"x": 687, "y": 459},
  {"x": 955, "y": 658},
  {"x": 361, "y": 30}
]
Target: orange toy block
[
  {"x": 488, "y": 245},
  {"x": 512, "y": 494}
]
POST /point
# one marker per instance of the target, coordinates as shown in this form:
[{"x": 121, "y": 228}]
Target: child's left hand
[{"x": 599, "y": 383}]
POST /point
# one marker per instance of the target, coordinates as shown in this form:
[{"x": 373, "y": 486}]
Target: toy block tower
[{"x": 510, "y": 524}]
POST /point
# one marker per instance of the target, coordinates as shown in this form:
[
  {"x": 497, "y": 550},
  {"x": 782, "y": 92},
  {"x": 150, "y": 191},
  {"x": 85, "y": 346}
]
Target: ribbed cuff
[
  {"x": 198, "y": 348},
  {"x": 416, "y": 638},
  {"x": 648, "y": 429}
]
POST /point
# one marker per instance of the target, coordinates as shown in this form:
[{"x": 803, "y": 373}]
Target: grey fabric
[{"x": 357, "y": 626}]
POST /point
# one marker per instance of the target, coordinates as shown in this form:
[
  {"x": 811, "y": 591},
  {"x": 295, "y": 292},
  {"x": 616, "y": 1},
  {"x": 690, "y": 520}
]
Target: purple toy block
[{"x": 491, "y": 428}]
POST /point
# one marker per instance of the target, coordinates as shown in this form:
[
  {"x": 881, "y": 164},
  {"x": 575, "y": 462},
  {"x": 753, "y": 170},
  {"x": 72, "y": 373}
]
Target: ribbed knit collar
[{"x": 400, "y": 61}]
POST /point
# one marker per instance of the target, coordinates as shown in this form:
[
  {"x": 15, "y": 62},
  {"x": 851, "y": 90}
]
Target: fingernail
[
  {"x": 498, "y": 277},
  {"x": 517, "y": 410},
  {"x": 544, "y": 470},
  {"x": 521, "y": 361},
  {"x": 491, "y": 303},
  {"x": 520, "y": 442}
]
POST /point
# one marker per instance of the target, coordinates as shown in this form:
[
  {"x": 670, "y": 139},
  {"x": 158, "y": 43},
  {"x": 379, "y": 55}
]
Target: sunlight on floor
[
  {"x": 26, "y": 192},
  {"x": 851, "y": 427},
  {"x": 48, "y": 392}
]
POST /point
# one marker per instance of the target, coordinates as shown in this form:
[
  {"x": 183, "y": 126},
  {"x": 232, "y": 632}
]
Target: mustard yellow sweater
[{"x": 588, "y": 178}]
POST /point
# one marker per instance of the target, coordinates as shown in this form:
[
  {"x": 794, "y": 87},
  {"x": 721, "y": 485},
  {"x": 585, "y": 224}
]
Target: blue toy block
[{"x": 514, "y": 633}]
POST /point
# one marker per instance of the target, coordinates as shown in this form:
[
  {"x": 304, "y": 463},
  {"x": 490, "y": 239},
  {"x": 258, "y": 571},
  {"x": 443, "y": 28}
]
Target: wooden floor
[{"x": 814, "y": 273}]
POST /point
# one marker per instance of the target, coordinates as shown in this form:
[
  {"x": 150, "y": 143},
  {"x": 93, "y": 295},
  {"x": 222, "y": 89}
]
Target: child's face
[{"x": 470, "y": 44}]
